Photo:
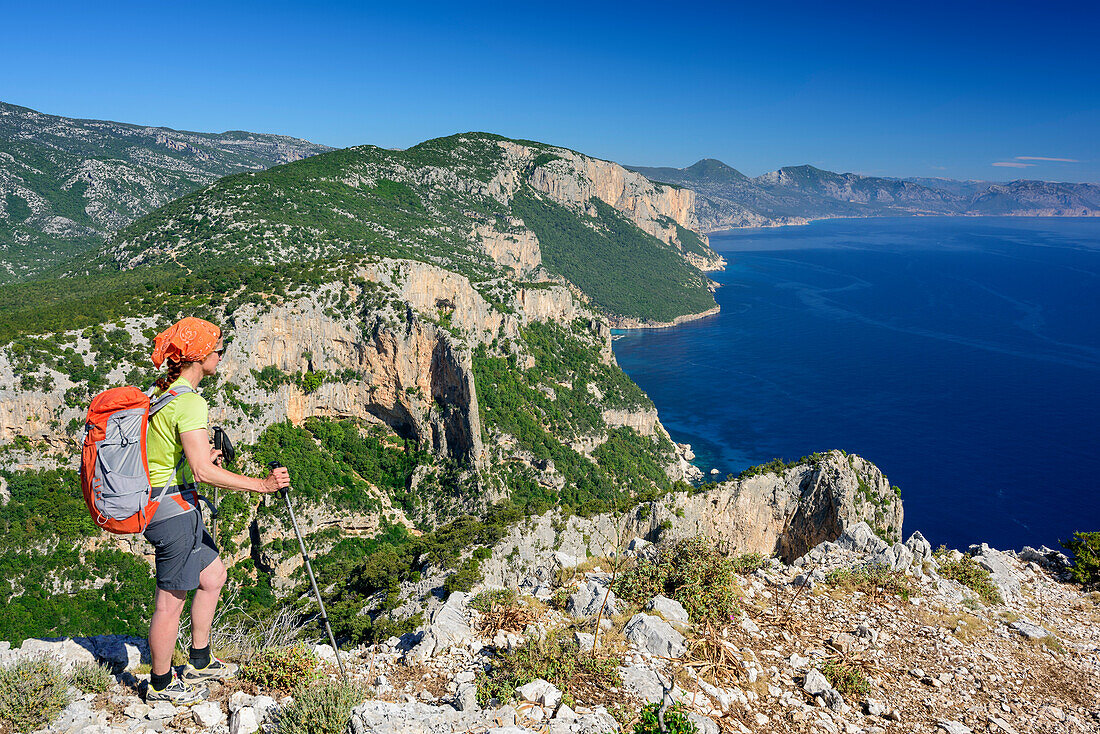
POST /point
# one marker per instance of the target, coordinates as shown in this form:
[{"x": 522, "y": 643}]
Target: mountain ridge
[
  {"x": 66, "y": 184},
  {"x": 801, "y": 194}
]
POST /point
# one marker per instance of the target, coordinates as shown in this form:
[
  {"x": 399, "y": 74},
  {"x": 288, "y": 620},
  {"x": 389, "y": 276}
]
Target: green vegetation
[
  {"x": 747, "y": 563},
  {"x": 676, "y": 720},
  {"x": 692, "y": 571},
  {"x": 873, "y": 580},
  {"x": 557, "y": 659},
  {"x": 778, "y": 466},
  {"x": 282, "y": 668},
  {"x": 845, "y": 678},
  {"x": 968, "y": 573},
  {"x": 555, "y": 400},
  {"x": 1085, "y": 548},
  {"x": 43, "y": 502},
  {"x": 91, "y": 677},
  {"x": 320, "y": 709},
  {"x": 625, "y": 271},
  {"x": 32, "y": 692}
]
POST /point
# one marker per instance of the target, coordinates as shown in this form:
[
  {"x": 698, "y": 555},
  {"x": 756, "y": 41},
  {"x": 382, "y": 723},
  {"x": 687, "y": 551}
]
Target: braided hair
[{"x": 175, "y": 369}]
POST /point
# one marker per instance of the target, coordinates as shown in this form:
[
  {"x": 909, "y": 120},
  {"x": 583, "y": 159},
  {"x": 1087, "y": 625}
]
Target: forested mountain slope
[{"x": 66, "y": 184}]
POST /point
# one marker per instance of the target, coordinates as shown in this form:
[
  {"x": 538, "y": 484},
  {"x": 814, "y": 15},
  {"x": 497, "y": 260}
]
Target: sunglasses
[{"x": 219, "y": 352}]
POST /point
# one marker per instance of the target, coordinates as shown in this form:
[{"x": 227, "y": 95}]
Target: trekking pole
[{"x": 285, "y": 494}]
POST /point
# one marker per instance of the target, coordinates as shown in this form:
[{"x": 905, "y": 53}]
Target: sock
[
  {"x": 160, "y": 682},
  {"x": 199, "y": 657}
]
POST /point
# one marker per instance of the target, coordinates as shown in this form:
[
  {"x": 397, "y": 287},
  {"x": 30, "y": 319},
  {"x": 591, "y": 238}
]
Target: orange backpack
[{"x": 114, "y": 468}]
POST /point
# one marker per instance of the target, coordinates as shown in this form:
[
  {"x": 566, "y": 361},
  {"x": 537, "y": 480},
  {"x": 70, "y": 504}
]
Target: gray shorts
[{"x": 183, "y": 550}]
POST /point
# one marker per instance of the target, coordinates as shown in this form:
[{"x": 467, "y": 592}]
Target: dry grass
[
  {"x": 973, "y": 629},
  {"x": 713, "y": 657}
]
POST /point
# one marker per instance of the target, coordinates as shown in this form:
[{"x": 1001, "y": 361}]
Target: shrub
[
  {"x": 1085, "y": 548},
  {"x": 32, "y": 693},
  {"x": 676, "y": 721},
  {"x": 691, "y": 571},
  {"x": 320, "y": 709},
  {"x": 281, "y": 667},
  {"x": 873, "y": 580},
  {"x": 557, "y": 659},
  {"x": 486, "y": 601},
  {"x": 746, "y": 563},
  {"x": 968, "y": 573},
  {"x": 845, "y": 678},
  {"x": 91, "y": 677}
]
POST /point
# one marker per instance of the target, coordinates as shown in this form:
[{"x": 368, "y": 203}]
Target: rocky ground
[{"x": 914, "y": 653}]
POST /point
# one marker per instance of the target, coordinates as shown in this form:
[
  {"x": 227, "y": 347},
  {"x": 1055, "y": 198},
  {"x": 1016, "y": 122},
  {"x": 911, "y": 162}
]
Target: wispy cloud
[
  {"x": 940, "y": 168},
  {"x": 1044, "y": 158},
  {"x": 1012, "y": 164}
]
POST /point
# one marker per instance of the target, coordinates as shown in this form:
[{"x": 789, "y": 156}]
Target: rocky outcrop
[
  {"x": 790, "y": 511},
  {"x": 785, "y": 512}
]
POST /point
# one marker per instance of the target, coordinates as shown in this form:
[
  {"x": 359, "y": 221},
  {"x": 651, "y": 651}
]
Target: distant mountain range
[
  {"x": 795, "y": 195},
  {"x": 66, "y": 184}
]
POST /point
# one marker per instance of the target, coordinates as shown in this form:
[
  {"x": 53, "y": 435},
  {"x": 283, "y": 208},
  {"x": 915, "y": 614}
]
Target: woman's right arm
[{"x": 196, "y": 447}]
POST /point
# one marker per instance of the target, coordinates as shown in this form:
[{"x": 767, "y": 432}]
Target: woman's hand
[
  {"x": 276, "y": 480},
  {"x": 216, "y": 457}
]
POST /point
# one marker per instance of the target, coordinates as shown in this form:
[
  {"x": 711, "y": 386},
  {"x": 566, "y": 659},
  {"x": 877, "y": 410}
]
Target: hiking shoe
[
  {"x": 216, "y": 670},
  {"x": 176, "y": 693}
]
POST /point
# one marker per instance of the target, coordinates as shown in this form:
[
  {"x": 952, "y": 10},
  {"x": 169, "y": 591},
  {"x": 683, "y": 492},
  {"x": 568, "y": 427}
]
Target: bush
[
  {"x": 676, "y": 721},
  {"x": 872, "y": 580},
  {"x": 32, "y": 693},
  {"x": 746, "y": 563},
  {"x": 320, "y": 709},
  {"x": 968, "y": 573},
  {"x": 557, "y": 659},
  {"x": 91, "y": 677},
  {"x": 281, "y": 667},
  {"x": 1085, "y": 548},
  {"x": 691, "y": 571},
  {"x": 849, "y": 680}
]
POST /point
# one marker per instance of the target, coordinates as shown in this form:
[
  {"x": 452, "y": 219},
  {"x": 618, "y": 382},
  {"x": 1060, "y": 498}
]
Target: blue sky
[{"x": 913, "y": 90}]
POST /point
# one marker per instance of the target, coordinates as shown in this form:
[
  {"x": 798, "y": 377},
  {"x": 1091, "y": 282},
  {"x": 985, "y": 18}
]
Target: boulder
[
  {"x": 244, "y": 721},
  {"x": 466, "y": 697},
  {"x": 66, "y": 651},
  {"x": 816, "y": 683},
  {"x": 642, "y": 682},
  {"x": 207, "y": 715},
  {"x": 1029, "y": 630},
  {"x": 446, "y": 628},
  {"x": 588, "y": 599},
  {"x": 1001, "y": 573},
  {"x": 903, "y": 557},
  {"x": 541, "y": 692},
  {"x": 670, "y": 610},
  {"x": 919, "y": 547},
  {"x": 654, "y": 635},
  {"x": 859, "y": 538}
]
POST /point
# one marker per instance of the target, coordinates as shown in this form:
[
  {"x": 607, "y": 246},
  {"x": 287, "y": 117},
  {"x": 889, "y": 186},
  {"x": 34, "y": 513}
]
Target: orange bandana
[{"x": 187, "y": 340}]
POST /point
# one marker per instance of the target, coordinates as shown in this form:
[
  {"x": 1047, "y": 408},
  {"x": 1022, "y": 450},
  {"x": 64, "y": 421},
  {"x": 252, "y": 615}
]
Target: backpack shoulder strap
[{"x": 167, "y": 397}]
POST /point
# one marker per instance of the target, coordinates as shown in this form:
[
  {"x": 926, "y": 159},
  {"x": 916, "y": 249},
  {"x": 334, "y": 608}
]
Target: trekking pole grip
[{"x": 273, "y": 465}]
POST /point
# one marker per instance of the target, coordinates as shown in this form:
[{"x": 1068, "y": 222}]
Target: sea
[{"x": 960, "y": 355}]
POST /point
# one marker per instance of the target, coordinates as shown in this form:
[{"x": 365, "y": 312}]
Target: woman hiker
[{"x": 179, "y": 456}]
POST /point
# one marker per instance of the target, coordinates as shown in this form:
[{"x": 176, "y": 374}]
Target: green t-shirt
[{"x": 164, "y": 449}]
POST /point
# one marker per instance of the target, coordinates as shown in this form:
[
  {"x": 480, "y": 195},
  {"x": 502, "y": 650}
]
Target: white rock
[
  {"x": 653, "y": 634},
  {"x": 816, "y": 683},
  {"x": 670, "y": 609},
  {"x": 954, "y": 727},
  {"x": 239, "y": 700},
  {"x": 466, "y": 697},
  {"x": 542, "y": 692},
  {"x": 208, "y": 714},
  {"x": 244, "y": 721},
  {"x": 161, "y": 710}
]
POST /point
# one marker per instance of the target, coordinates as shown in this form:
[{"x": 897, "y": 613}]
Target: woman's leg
[
  {"x": 164, "y": 628},
  {"x": 211, "y": 581}
]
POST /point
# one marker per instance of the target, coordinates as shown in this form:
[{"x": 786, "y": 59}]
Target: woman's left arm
[{"x": 196, "y": 447}]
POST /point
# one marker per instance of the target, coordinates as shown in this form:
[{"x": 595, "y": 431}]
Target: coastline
[
  {"x": 777, "y": 224},
  {"x": 626, "y": 323}
]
